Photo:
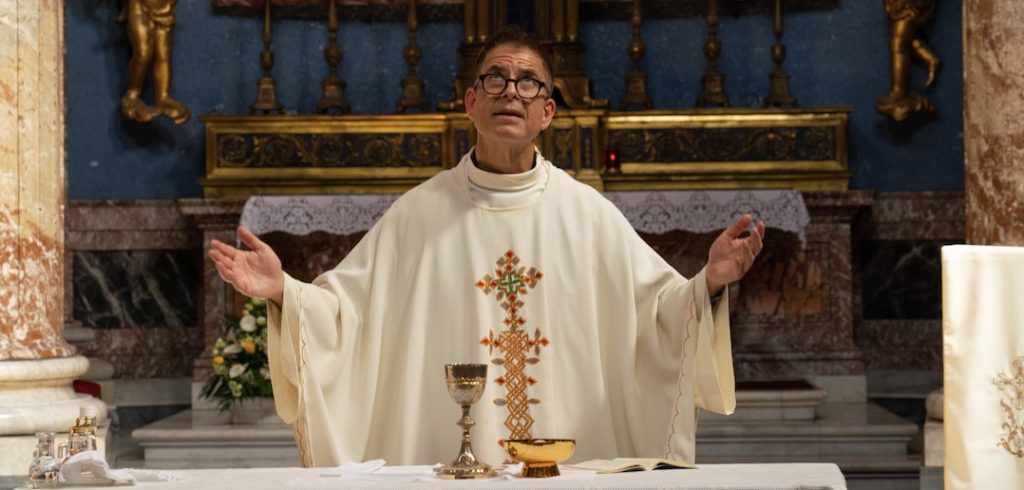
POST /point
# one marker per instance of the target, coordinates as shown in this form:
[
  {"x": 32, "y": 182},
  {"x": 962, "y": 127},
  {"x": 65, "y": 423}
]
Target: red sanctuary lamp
[{"x": 611, "y": 161}]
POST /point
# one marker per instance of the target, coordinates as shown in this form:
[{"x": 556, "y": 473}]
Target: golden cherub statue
[
  {"x": 905, "y": 17},
  {"x": 149, "y": 24}
]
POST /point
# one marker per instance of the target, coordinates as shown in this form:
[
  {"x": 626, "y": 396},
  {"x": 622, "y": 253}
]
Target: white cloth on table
[
  {"x": 352, "y": 467},
  {"x": 791, "y": 476},
  {"x": 90, "y": 467}
]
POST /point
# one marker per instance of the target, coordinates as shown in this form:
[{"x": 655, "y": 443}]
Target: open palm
[
  {"x": 255, "y": 272},
  {"x": 732, "y": 255}
]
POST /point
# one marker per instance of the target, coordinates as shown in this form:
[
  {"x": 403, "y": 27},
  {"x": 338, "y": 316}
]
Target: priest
[{"x": 506, "y": 260}]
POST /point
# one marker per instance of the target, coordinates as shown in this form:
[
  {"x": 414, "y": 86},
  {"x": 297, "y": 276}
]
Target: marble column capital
[{"x": 212, "y": 214}]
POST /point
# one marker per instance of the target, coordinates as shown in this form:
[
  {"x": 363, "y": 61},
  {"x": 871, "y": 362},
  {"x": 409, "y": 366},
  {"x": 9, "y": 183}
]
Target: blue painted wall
[{"x": 834, "y": 57}]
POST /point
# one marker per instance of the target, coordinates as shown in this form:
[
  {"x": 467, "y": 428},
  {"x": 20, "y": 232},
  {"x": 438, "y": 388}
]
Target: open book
[{"x": 619, "y": 465}]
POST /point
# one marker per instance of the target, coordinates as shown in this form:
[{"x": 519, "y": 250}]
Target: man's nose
[{"x": 510, "y": 90}]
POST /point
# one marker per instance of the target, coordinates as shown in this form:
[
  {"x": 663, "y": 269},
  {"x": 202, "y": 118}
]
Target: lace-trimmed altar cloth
[{"x": 647, "y": 211}]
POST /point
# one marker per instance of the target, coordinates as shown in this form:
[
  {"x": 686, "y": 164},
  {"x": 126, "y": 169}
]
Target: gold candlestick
[
  {"x": 636, "y": 80},
  {"x": 779, "y": 95},
  {"x": 713, "y": 81},
  {"x": 266, "y": 93},
  {"x": 333, "y": 87},
  {"x": 412, "y": 86}
]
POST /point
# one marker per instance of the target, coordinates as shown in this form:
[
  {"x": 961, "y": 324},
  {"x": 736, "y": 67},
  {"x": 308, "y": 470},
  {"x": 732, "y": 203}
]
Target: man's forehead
[{"x": 510, "y": 55}]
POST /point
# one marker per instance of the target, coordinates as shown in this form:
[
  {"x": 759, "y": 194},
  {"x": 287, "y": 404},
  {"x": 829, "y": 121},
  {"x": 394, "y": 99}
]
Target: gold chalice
[
  {"x": 540, "y": 457},
  {"x": 466, "y": 383}
]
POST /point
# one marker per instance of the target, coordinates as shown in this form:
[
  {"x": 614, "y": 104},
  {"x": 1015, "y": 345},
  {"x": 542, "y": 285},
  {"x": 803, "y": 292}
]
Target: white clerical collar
[
  {"x": 507, "y": 182},
  {"x": 505, "y": 191}
]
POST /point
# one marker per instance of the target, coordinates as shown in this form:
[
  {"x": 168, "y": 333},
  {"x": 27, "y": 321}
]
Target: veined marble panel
[
  {"x": 901, "y": 279},
  {"x": 138, "y": 353},
  {"x": 898, "y": 281},
  {"x": 135, "y": 246},
  {"x": 143, "y": 288},
  {"x": 901, "y": 344},
  {"x": 786, "y": 279},
  {"x": 311, "y": 255},
  {"x": 795, "y": 315},
  {"x": 916, "y": 216}
]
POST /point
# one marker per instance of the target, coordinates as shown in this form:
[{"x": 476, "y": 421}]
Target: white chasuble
[
  {"x": 983, "y": 366},
  {"x": 587, "y": 332}
]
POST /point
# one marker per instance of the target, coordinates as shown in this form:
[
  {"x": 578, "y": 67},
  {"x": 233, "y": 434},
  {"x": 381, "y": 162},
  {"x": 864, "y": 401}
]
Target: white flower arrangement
[{"x": 240, "y": 367}]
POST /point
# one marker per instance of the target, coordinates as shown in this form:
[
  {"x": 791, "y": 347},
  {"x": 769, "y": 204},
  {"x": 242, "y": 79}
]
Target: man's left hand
[{"x": 732, "y": 254}]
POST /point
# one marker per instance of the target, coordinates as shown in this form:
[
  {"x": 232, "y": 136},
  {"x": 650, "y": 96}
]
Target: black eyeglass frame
[{"x": 515, "y": 83}]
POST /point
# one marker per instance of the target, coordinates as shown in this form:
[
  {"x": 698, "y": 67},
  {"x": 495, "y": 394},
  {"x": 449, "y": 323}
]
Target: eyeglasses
[{"x": 526, "y": 87}]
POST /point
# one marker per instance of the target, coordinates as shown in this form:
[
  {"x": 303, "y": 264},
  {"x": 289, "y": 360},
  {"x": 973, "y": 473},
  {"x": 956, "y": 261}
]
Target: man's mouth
[{"x": 508, "y": 112}]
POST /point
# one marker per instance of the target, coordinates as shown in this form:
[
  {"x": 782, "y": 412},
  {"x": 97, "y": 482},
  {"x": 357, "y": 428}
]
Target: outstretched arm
[
  {"x": 255, "y": 272},
  {"x": 731, "y": 255}
]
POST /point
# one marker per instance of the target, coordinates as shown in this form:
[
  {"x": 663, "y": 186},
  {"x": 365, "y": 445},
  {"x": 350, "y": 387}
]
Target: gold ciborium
[
  {"x": 540, "y": 457},
  {"x": 466, "y": 384}
]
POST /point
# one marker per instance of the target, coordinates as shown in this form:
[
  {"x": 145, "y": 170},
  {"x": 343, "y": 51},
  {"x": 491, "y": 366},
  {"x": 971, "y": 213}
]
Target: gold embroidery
[
  {"x": 1012, "y": 405},
  {"x": 691, "y": 308},
  {"x": 301, "y": 427},
  {"x": 510, "y": 283}
]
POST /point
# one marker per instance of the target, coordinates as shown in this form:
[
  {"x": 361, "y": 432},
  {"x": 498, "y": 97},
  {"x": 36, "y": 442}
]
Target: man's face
[{"x": 507, "y": 117}]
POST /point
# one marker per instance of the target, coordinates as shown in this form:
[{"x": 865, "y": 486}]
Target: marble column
[
  {"x": 993, "y": 129},
  {"x": 36, "y": 365}
]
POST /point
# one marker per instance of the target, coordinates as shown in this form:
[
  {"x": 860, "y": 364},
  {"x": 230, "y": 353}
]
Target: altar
[
  {"x": 719, "y": 477},
  {"x": 792, "y": 320}
]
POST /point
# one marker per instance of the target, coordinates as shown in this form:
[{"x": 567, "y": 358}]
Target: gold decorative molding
[
  {"x": 804, "y": 149},
  {"x": 248, "y": 155}
]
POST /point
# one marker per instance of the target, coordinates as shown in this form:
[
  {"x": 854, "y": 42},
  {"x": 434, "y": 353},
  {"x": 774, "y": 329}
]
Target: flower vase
[{"x": 254, "y": 411}]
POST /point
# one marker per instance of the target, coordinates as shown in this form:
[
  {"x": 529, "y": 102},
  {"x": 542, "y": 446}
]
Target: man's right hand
[{"x": 256, "y": 272}]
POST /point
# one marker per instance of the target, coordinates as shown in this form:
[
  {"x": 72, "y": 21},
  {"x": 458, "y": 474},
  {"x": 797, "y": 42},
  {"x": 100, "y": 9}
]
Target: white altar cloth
[
  {"x": 802, "y": 476},
  {"x": 648, "y": 211}
]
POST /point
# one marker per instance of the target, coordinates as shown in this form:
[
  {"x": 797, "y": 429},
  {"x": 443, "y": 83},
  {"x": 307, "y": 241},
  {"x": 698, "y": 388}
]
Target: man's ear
[
  {"x": 469, "y": 100},
  {"x": 549, "y": 112}
]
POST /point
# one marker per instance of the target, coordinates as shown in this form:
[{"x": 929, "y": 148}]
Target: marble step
[
  {"x": 773, "y": 400},
  {"x": 839, "y": 429},
  {"x": 855, "y": 430},
  {"x": 196, "y": 440}
]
